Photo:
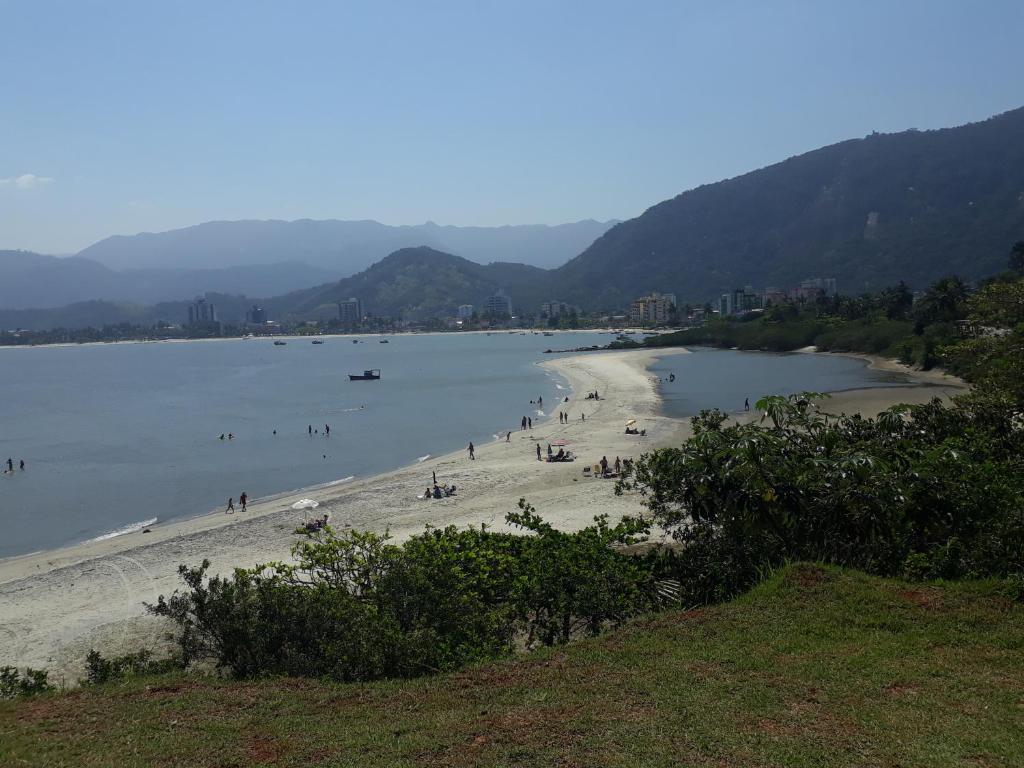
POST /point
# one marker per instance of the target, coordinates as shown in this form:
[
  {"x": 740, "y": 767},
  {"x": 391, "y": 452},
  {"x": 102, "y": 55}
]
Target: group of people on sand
[
  {"x": 635, "y": 431},
  {"x": 10, "y": 466},
  {"x": 562, "y": 455},
  {"x": 242, "y": 501},
  {"x": 526, "y": 423},
  {"x": 316, "y": 524},
  {"x": 439, "y": 491},
  {"x": 610, "y": 470},
  {"x": 593, "y": 395}
]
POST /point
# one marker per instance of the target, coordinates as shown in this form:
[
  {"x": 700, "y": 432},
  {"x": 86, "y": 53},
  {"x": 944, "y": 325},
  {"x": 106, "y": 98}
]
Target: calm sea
[{"x": 117, "y": 436}]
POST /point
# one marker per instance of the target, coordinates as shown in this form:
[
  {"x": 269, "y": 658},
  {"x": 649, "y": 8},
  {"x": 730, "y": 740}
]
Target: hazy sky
[{"x": 120, "y": 117}]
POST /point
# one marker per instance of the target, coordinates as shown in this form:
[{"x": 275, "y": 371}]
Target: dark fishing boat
[
  {"x": 372, "y": 375},
  {"x": 280, "y": 343},
  {"x": 317, "y": 341}
]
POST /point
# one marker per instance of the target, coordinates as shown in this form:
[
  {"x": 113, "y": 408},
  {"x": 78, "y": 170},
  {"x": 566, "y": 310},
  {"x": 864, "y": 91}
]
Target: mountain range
[
  {"x": 911, "y": 206},
  {"x": 261, "y": 258},
  {"x": 870, "y": 212},
  {"x": 345, "y": 247}
]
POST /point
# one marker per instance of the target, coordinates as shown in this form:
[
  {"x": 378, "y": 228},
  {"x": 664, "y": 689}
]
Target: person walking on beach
[
  {"x": 242, "y": 499},
  {"x": 508, "y": 436},
  {"x": 746, "y": 404},
  {"x": 524, "y": 423},
  {"x": 434, "y": 473},
  {"x": 529, "y": 422},
  {"x": 583, "y": 417},
  {"x": 549, "y": 450},
  {"x": 618, "y": 465},
  {"x": 472, "y": 452},
  {"x": 604, "y": 465},
  {"x": 231, "y": 506},
  {"x": 538, "y": 451}
]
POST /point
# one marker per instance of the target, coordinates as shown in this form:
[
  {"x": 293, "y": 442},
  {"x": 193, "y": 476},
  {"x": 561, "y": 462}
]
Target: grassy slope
[{"x": 817, "y": 667}]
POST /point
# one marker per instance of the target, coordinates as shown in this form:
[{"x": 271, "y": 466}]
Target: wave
[
  {"x": 129, "y": 528},
  {"x": 421, "y": 459}
]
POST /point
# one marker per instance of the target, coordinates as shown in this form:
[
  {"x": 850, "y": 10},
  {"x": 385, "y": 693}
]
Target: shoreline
[
  {"x": 56, "y": 605},
  {"x": 311, "y": 336}
]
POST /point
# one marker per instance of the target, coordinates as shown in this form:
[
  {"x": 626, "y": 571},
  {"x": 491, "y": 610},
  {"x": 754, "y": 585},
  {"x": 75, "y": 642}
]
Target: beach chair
[{"x": 586, "y": 471}]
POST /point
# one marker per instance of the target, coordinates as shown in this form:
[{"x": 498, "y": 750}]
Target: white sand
[{"x": 56, "y": 605}]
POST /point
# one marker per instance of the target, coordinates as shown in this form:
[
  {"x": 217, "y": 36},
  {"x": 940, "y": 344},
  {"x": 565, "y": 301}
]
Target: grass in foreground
[{"x": 816, "y": 667}]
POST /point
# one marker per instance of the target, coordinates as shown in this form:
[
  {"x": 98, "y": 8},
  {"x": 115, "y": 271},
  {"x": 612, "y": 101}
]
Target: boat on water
[
  {"x": 280, "y": 343},
  {"x": 317, "y": 341},
  {"x": 384, "y": 341},
  {"x": 371, "y": 375},
  {"x": 548, "y": 333},
  {"x": 355, "y": 341}
]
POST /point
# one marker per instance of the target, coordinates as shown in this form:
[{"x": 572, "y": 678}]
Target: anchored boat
[{"x": 371, "y": 375}]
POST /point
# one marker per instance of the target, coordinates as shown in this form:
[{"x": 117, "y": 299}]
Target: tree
[{"x": 944, "y": 302}]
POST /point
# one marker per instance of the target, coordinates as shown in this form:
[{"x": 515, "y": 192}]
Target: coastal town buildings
[
  {"x": 256, "y": 315},
  {"x": 201, "y": 311},
  {"x": 466, "y": 311},
  {"x": 556, "y": 308},
  {"x": 499, "y": 305},
  {"x": 350, "y": 311},
  {"x": 655, "y": 309}
]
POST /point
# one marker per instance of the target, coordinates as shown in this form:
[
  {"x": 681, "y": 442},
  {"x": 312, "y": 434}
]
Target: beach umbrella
[
  {"x": 304, "y": 505},
  {"x": 631, "y": 422}
]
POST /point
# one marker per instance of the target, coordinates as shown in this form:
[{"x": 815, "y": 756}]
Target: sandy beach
[{"x": 57, "y": 605}]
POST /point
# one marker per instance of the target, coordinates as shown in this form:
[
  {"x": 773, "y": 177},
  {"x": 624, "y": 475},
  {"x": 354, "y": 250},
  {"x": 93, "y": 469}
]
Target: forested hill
[
  {"x": 908, "y": 206},
  {"x": 425, "y": 281}
]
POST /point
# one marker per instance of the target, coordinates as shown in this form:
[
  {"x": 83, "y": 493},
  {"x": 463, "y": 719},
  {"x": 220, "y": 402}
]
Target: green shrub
[
  {"x": 354, "y": 607},
  {"x": 100, "y": 670},
  {"x": 15, "y": 683}
]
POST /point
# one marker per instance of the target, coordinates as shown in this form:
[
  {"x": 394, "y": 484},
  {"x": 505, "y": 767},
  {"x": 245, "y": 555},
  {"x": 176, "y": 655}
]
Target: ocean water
[
  {"x": 723, "y": 378},
  {"x": 119, "y": 436}
]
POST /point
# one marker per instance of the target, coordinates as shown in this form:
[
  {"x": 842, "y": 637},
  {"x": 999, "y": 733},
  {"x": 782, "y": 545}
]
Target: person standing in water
[
  {"x": 10, "y": 464},
  {"x": 524, "y": 423},
  {"x": 529, "y": 422},
  {"x": 327, "y": 430},
  {"x": 540, "y": 401},
  {"x": 746, "y": 404},
  {"x": 21, "y": 465},
  {"x": 472, "y": 452},
  {"x": 242, "y": 499},
  {"x": 231, "y": 506},
  {"x": 311, "y": 429}
]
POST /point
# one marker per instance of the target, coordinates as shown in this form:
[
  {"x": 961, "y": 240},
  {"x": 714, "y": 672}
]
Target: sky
[{"x": 122, "y": 117}]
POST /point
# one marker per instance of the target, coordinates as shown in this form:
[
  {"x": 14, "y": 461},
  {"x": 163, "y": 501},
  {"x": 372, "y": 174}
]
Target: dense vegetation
[
  {"x": 815, "y": 667},
  {"x": 976, "y": 334}
]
